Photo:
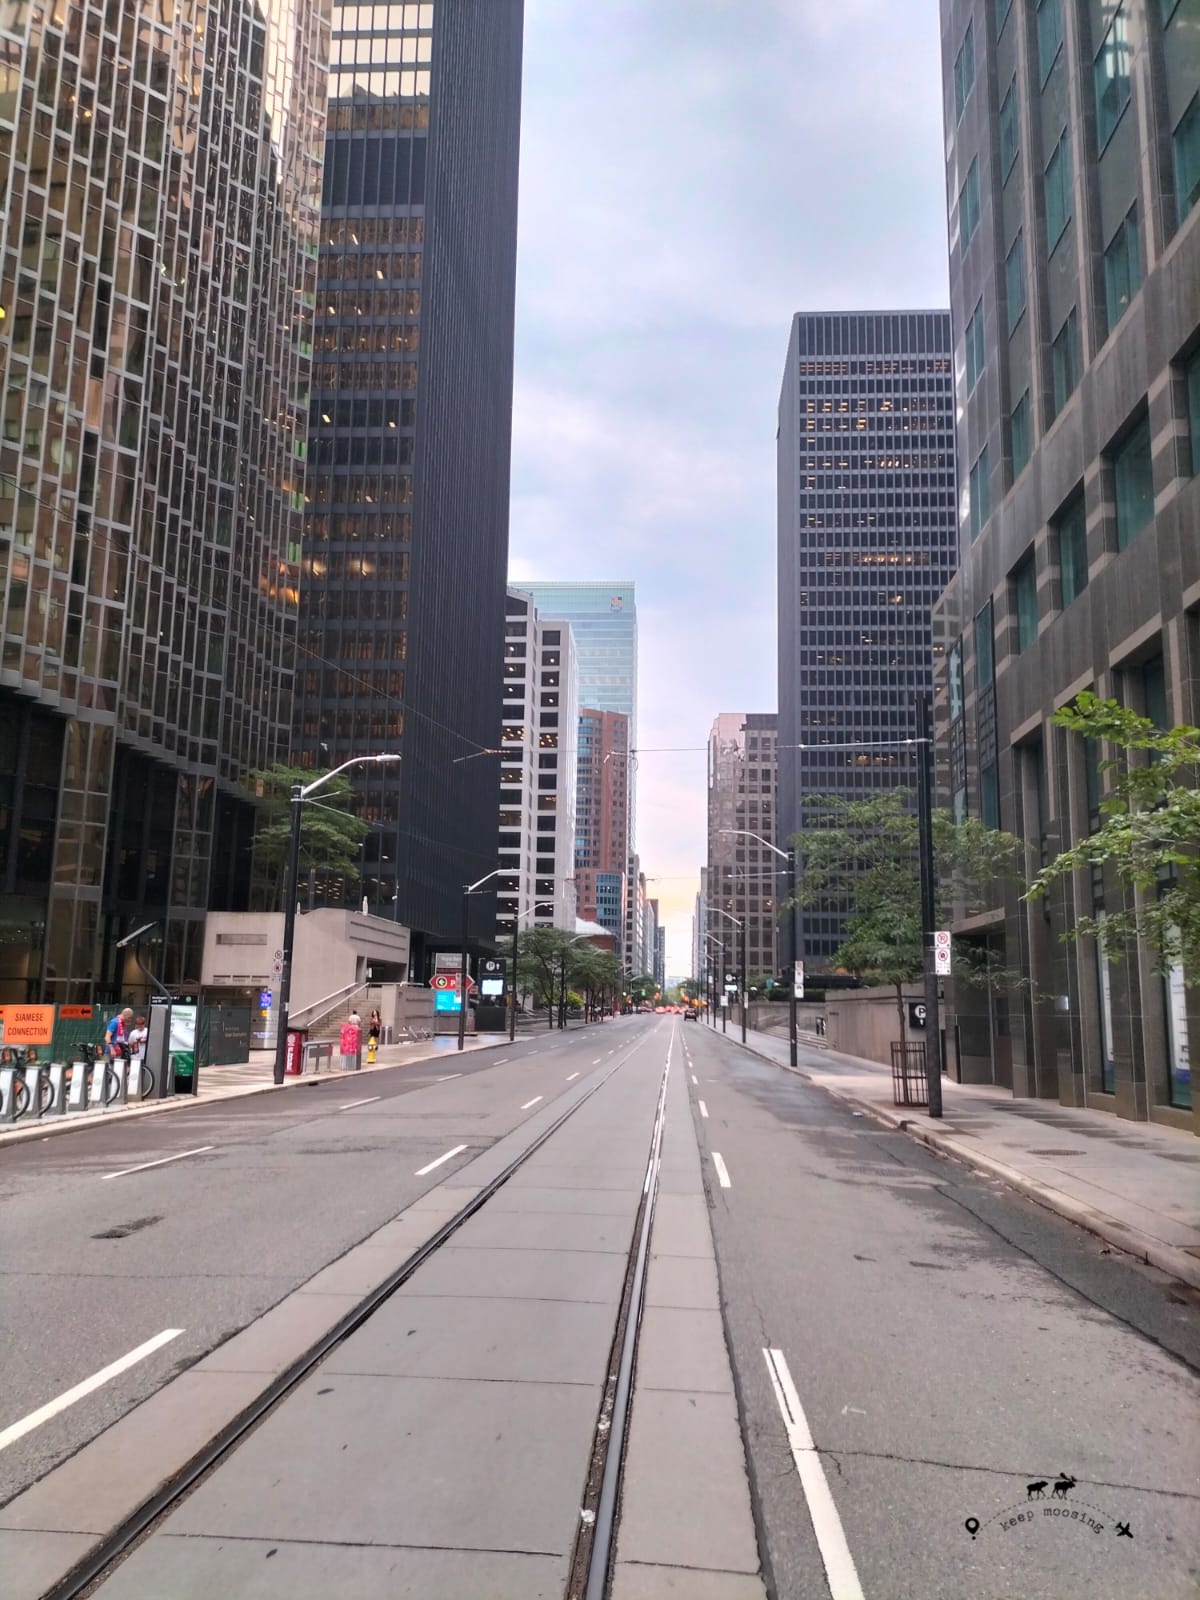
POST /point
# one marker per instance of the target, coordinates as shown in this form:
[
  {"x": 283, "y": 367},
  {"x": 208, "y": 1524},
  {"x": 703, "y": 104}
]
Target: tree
[
  {"x": 864, "y": 855},
  {"x": 1149, "y": 835},
  {"x": 331, "y": 835},
  {"x": 540, "y": 954},
  {"x": 644, "y": 988}
]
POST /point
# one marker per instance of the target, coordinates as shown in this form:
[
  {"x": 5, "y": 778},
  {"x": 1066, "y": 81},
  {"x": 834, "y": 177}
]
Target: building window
[
  {"x": 1064, "y": 359},
  {"x": 1071, "y": 529},
  {"x": 968, "y": 205},
  {"x": 1133, "y": 483},
  {"x": 985, "y": 648},
  {"x": 1110, "y": 76},
  {"x": 1154, "y": 692},
  {"x": 1025, "y": 601},
  {"x": 1057, "y": 184},
  {"x": 1122, "y": 269},
  {"x": 1049, "y": 36},
  {"x": 1002, "y": 8},
  {"x": 964, "y": 71},
  {"x": 954, "y": 673},
  {"x": 1021, "y": 426},
  {"x": 1010, "y": 132},
  {"x": 1167, "y": 9},
  {"x": 1014, "y": 282},
  {"x": 989, "y": 796},
  {"x": 1187, "y": 158},
  {"x": 1192, "y": 378},
  {"x": 976, "y": 353},
  {"x": 980, "y": 495}
]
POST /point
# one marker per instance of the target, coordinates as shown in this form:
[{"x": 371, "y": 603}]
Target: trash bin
[
  {"x": 910, "y": 1086},
  {"x": 296, "y": 1040}
]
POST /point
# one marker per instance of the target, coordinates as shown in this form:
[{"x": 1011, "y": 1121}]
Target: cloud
[{"x": 693, "y": 173}]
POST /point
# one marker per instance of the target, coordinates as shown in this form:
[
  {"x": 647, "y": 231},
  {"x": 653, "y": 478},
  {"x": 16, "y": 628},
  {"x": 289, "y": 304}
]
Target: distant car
[{"x": 691, "y": 1015}]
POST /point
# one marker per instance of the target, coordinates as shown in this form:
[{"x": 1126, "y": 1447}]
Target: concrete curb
[
  {"x": 106, "y": 1119},
  {"x": 1175, "y": 1262}
]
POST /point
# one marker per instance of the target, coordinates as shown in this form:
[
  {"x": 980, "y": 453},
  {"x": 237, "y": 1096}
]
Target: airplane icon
[{"x": 1123, "y": 1531}]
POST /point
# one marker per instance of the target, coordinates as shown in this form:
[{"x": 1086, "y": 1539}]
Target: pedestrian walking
[
  {"x": 374, "y": 1029},
  {"x": 354, "y": 1019}
]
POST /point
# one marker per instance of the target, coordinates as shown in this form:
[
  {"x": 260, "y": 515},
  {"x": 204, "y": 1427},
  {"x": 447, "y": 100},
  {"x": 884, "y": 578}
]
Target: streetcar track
[{"x": 97, "y": 1565}]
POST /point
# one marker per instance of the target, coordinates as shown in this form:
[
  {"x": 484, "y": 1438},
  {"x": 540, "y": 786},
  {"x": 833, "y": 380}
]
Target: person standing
[
  {"x": 116, "y": 1034},
  {"x": 374, "y": 1029},
  {"x": 138, "y": 1035}
]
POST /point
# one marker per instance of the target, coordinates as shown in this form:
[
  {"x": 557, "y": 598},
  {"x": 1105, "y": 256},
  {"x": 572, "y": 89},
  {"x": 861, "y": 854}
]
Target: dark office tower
[
  {"x": 867, "y": 541},
  {"x": 602, "y": 818},
  {"x": 402, "y": 604},
  {"x": 158, "y": 167},
  {"x": 1073, "y": 155}
]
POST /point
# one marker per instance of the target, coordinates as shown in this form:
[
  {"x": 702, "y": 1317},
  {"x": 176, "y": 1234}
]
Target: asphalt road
[
  {"x": 99, "y": 1259},
  {"x": 950, "y": 1344}
]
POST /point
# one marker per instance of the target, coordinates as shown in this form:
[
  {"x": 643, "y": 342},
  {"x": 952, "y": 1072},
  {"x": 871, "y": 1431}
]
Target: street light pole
[
  {"x": 300, "y": 793},
  {"x": 538, "y": 905},
  {"x": 468, "y": 890},
  {"x": 728, "y": 915},
  {"x": 933, "y": 1030},
  {"x": 790, "y": 857}
]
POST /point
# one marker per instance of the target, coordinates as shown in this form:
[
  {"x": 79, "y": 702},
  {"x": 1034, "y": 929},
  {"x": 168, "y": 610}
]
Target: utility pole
[
  {"x": 745, "y": 992},
  {"x": 793, "y": 1019},
  {"x": 933, "y": 1029},
  {"x": 291, "y": 888},
  {"x": 462, "y": 975}
]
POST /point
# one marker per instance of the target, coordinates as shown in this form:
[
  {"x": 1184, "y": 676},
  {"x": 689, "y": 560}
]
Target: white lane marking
[
  {"x": 532, "y": 1102},
  {"x": 18, "y": 1430},
  {"x": 370, "y": 1100},
  {"x": 421, "y": 1171},
  {"x": 574, "y": 1075},
  {"x": 703, "y": 1108},
  {"x": 448, "y": 1076},
  {"x": 162, "y": 1162},
  {"x": 597, "y": 1061},
  {"x": 722, "y": 1170},
  {"x": 500, "y": 1061},
  {"x": 827, "y": 1525},
  {"x": 695, "y": 1079}
]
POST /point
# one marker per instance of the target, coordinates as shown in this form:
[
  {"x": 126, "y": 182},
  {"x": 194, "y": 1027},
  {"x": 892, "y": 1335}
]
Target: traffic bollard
[
  {"x": 8, "y": 1095},
  {"x": 58, "y": 1089}
]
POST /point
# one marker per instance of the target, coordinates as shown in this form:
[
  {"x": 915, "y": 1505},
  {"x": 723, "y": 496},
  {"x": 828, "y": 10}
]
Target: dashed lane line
[
  {"x": 18, "y": 1430},
  {"x": 161, "y": 1162},
  {"x": 722, "y": 1169},
  {"x": 421, "y": 1171}
]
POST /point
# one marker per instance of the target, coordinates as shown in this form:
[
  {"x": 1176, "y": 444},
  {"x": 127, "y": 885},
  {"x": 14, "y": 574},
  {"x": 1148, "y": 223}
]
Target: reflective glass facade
[
  {"x": 159, "y": 168},
  {"x": 403, "y": 594}
]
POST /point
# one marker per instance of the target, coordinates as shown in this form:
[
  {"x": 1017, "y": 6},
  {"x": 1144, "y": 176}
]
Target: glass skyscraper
[
  {"x": 403, "y": 592},
  {"x": 603, "y": 617},
  {"x": 159, "y": 167},
  {"x": 868, "y": 538}
]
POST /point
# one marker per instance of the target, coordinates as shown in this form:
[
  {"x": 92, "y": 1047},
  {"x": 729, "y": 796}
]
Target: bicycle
[
  {"x": 139, "y": 1080},
  {"x": 21, "y": 1095}
]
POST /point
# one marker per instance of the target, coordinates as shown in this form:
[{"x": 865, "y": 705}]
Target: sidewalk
[
  {"x": 255, "y": 1076},
  {"x": 1135, "y": 1184}
]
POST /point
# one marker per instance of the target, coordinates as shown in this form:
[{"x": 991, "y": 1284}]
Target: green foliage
[
  {"x": 864, "y": 855},
  {"x": 545, "y": 954},
  {"x": 1148, "y": 838},
  {"x": 644, "y": 988},
  {"x": 330, "y": 834}
]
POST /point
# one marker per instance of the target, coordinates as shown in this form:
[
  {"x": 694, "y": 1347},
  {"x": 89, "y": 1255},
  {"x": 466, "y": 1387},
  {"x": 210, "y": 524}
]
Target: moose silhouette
[
  {"x": 1062, "y": 1485},
  {"x": 1036, "y": 1491}
]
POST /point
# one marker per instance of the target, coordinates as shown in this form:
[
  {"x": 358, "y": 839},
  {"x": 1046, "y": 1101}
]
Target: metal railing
[{"x": 305, "y": 1016}]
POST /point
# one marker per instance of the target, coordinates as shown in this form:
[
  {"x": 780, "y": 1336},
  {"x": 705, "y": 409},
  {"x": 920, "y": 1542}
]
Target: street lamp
[
  {"x": 468, "y": 890},
  {"x": 790, "y": 857},
  {"x": 713, "y": 938},
  {"x": 538, "y": 905},
  {"x": 300, "y": 793},
  {"x": 742, "y": 925}
]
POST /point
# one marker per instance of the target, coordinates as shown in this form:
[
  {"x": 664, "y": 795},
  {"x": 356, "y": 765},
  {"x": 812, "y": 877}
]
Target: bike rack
[
  {"x": 123, "y": 1069},
  {"x": 8, "y": 1095},
  {"x": 99, "y": 1079},
  {"x": 58, "y": 1089},
  {"x": 35, "y": 1075},
  {"x": 77, "y": 1096}
]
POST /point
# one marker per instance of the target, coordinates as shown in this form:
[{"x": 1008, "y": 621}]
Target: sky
[{"x": 694, "y": 172}]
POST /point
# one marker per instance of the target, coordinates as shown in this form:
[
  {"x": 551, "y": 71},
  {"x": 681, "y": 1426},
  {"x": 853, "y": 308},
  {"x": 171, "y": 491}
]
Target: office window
[
  {"x": 1021, "y": 426},
  {"x": 980, "y": 495},
  {"x": 1133, "y": 483},
  {"x": 1071, "y": 529},
  {"x": 989, "y": 796},
  {"x": 968, "y": 205},
  {"x": 1014, "y": 282},
  {"x": 1002, "y": 8},
  {"x": 1025, "y": 601},
  {"x": 1154, "y": 692},
  {"x": 1110, "y": 75},
  {"x": 1064, "y": 359},
  {"x": 964, "y": 71},
  {"x": 1192, "y": 375},
  {"x": 1057, "y": 185},
  {"x": 1122, "y": 269},
  {"x": 985, "y": 648},
  {"x": 1187, "y": 158},
  {"x": 1049, "y": 35},
  {"x": 1010, "y": 132},
  {"x": 976, "y": 354}
]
